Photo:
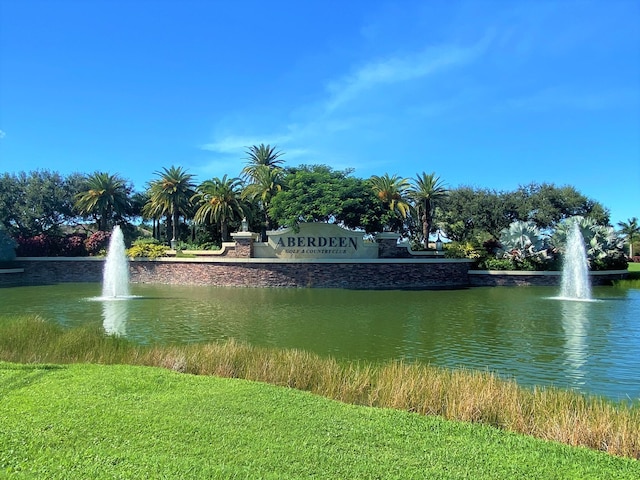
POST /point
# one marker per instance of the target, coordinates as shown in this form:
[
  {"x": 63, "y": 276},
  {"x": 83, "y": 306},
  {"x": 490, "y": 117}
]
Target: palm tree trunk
[
  {"x": 223, "y": 231},
  {"x": 426, "y": 224},
  {"x": 176, "y": 219}
]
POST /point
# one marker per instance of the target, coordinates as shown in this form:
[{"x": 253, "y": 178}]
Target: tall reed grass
[{"x": 471, "y": 396}]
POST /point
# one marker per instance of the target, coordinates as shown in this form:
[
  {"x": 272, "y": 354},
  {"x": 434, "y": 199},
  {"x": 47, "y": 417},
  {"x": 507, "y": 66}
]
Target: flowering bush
[
  {"x": 73, "y": 245},
  {"x": 97, "y": 242},
  {"x": 41, "y": 245}
]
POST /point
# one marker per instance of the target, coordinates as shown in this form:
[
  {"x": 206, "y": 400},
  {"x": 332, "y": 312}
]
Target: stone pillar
[
  {"x": 244, "y": 244},
  {"x": 387, "y": 244}
]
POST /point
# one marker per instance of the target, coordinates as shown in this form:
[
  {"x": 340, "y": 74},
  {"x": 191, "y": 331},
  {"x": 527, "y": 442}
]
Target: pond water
[{"x": 521, "y": 333}]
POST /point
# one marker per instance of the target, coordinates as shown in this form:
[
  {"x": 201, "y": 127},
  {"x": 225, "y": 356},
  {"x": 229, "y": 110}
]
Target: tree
[
  {"x": 259, "y": 156},
  {"x": 103, "y": 197},
  {"x": 317, "y": 193},
  {"x": 630, "y": 229},
  {"x": 392, "y": 191},
  {"x": 547, "y": 205},
  {"x": 37, "y": 202},
  {"x": 471, "y": 214},
  {"x": 170, "y": 194},
  {"x": 219, "y": 202},
  {"x": 265, "y": 183},
  {"x": 427, "y": 191}
]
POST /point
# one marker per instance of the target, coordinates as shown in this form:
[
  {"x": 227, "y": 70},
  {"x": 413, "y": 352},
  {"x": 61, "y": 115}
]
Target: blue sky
[{"x": 485, "y": 93}]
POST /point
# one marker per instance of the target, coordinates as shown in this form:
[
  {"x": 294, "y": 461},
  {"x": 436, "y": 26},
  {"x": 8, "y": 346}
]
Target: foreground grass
[
  {"x": 91, "y": 421},
  {"x": 475, "y": 397}
]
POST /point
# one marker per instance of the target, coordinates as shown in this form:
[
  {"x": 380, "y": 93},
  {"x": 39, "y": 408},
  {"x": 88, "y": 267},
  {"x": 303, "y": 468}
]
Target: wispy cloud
[
  {"x": 2, "y": 134},
  {"x": 402, "y": 68},
  {"x": 323, "y": 131}
]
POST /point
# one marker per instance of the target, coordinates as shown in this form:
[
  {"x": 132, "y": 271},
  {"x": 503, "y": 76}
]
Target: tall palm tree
[
  {"x": 171, "y": 195},
  {"x": 261, "y": 155},
  {"x": 104, "y": 197},
  {"x": 265, "y": 183},
  {"x": 630, "y": 229},
  {"x": 426, "y": 192},
  {"x": 220, "y": 202},
  {"x": 392, "y": 191}
]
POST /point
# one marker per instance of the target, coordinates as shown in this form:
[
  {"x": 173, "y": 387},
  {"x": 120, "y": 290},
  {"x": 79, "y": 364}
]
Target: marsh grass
[{"x": 470, "y": 396}]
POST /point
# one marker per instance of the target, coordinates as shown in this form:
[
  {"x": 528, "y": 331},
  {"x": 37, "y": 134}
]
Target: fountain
[
  {"x": 115, "y": 278},
  {"x": 575, "y": 284}
]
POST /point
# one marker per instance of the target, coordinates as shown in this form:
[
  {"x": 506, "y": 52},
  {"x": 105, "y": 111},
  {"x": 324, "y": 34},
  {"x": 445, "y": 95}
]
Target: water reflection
[
  {"x": 516, "y": 332},
  {"x": 115, "y": 314},
  {"x": 575, "y": 323}
]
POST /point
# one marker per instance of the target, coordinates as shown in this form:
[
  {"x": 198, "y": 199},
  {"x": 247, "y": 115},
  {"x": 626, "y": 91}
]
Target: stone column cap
[{"x": 245, "y": 235}]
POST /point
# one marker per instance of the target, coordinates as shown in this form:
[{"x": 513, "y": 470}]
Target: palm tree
[
  {"x": 171, "y": 195},
  {"x": 630, "y": 229},
  {"x": 427, "y": 191},
  {"x": 220, "y": 202},
  {"x": 265, "y": 183},
  {"x": 261, "y": 155},
  {"x": 104, "y": 197},
  {"x": 392, "y": 191}
]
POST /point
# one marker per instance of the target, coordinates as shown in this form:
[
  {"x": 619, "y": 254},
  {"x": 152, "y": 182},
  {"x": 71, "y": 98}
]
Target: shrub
[
  {"x": 493, "y": 263},
  {"x": 97, "y": 242},
  {"x": 41, "y": 245},
  {"x": 462, "y": 250},
  {"x": 525, "y": 245},
  {"x": 147, "y": 248},
  {"x": 73, "y": 245}
]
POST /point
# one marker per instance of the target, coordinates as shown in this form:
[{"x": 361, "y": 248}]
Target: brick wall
[
  {"x": 374, "y": 274},
  {"x": 358, "y": 274},
  {"x": 327, "y": 275},
  {"x": 45, "y": 271}
]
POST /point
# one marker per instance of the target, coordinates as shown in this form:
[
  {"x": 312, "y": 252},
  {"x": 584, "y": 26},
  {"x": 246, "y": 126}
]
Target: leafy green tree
[
  {"x": 630, "y": 229},
  {"x": 426, "y": 193},
  {"x": 317, "y": 193},
  {"x": 37, "y": 202},
  {"x": 219, "y": 202},
  {"x": 547, "y": 205},
  {"x": 261, "y": 156},
  {"x": 170, "y": 195},
  {"x": 105, "y": 198},
  {"x": 392, "y": 192}
]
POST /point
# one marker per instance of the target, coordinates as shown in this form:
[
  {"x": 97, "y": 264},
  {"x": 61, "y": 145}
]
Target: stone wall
[
  {"x": 484, "y": 278},
  {"x": 361, "y": 275},
  {"x": 374, "y": 274},
  {"x": 42, "y": 271}
]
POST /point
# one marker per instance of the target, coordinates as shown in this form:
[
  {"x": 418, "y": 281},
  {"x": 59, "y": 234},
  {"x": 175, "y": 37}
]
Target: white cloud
[
  {"x": 2, "y": 134},
  {"x": 327, "y": 132},
  {"x": 402, "y": 68}
]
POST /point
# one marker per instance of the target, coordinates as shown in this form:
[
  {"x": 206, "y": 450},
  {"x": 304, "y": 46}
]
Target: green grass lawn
[
  {"x": 634, "y": 267},
  {"x": 88, "y": 421}
]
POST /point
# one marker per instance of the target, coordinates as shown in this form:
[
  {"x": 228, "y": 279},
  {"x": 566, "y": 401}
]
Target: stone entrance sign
[{"x": 320, "y": 240}]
